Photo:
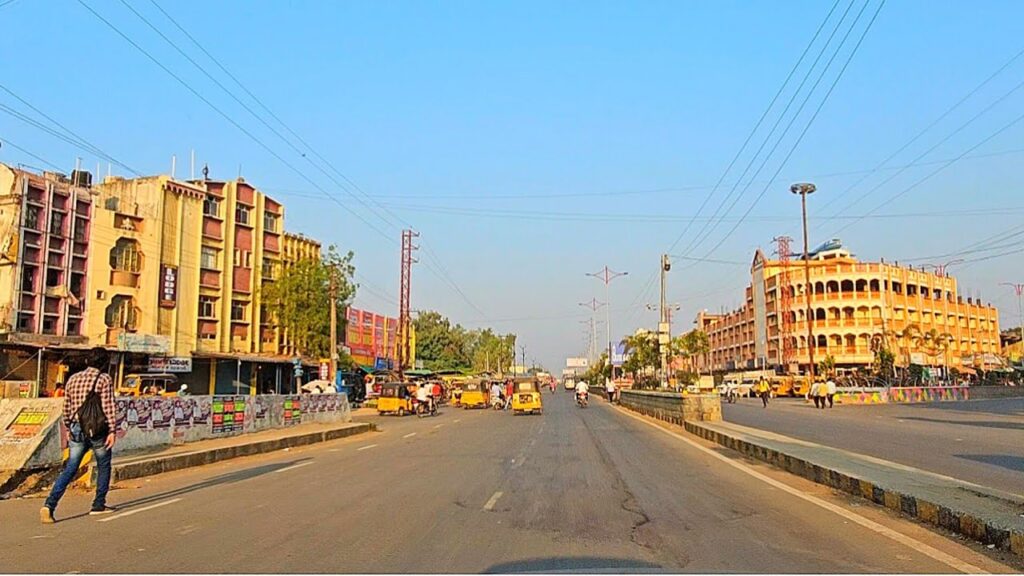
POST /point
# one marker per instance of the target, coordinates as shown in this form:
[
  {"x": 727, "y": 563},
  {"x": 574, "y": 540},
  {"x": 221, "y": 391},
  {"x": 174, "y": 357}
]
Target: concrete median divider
[
  {"x": 986, "y": 515},
  {"x": 983, "y": 514},
  {"x": 209, "y": 452},
  {"x": 674, "y": 407},
  {"x": 32, "y": 436}
]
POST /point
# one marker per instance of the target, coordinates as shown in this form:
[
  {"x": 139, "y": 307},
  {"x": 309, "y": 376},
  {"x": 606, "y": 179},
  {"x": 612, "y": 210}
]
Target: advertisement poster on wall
[
  {"x": 292, "y": 411},
  {"x": 228, "y": 414}
]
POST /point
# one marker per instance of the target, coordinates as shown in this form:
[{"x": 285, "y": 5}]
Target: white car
[{"x": 570, "y": 384}]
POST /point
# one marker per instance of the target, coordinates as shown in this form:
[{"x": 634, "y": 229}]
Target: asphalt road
[
  {"x": 976, "y": 441},
  {"x": 585, "y": 490}
]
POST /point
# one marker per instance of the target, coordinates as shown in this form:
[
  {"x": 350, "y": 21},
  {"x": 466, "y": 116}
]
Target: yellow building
[
  {"x": 856, "y": 307},
  {"x": 144, "y": 266}
]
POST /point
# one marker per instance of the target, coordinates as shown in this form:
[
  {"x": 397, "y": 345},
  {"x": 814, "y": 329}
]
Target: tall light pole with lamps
[
  {"x": 606, "y": 275},
  {"x": 593, "y": 305},
  {"x": 803, "y": 189}
]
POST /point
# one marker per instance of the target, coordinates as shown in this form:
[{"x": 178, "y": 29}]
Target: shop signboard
[
  {"x": 169, "y": 364},
  {"x": 143, "y": 343}
]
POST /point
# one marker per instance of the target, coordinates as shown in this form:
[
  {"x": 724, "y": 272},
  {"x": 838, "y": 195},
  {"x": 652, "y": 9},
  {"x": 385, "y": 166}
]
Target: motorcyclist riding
[{"x": 582, "y": 391}]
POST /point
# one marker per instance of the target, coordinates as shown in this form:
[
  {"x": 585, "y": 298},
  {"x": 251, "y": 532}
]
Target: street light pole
[
  {"x": 803, "y": 189},
  {"x": 607, "y": 275}
]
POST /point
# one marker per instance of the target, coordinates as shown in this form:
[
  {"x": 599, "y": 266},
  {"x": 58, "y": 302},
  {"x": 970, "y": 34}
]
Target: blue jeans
[{"x": 77, "y": 446}]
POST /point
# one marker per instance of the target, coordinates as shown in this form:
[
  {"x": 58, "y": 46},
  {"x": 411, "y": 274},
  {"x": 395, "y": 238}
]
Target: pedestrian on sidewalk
[
  {"x": 815, "y": 393},
  {"x": 830, "y": 391},
  {"x": 609, "y": 387},
  {"x": 89, "y": 386}
]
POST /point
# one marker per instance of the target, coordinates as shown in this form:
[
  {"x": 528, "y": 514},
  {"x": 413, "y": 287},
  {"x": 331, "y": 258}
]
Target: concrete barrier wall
[
  {"x": 992, "y": 392},
  {"x": 30, "y": 430},
  {"x": 674, "y": 407},
  {"x": 905, "y": 395}
]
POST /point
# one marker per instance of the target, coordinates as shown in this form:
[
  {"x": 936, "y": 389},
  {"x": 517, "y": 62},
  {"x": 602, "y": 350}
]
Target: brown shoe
[{"x": 46, "y": 515}]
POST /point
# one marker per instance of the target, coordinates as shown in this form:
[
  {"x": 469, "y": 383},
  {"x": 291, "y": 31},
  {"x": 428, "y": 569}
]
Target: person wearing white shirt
[{"x": 423, "y": 395}]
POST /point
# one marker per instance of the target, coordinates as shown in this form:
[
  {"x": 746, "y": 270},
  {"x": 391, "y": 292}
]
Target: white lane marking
[
  {"x": 494, "y": 500},
  {"x": 409, "y": 435},
  {"x": 143, "y": 509},
  {"x": 292, "y": 467},
  {"x": 437, "y": 426},
  {"x": 366, "y": 447},
  {"x": 457, "y": 420},
  {"x": 933, "y": 553},
  {"x": 333, "y": 449}
]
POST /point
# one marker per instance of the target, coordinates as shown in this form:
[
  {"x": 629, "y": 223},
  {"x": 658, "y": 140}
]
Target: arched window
[
  {"x": 832, "y": 287},
  {"x": 819, "y": 287},
  {"x": 822, "y": 341},
  {"x": 874, "y": 285},
  {"x": 846, "y": 286},
  {"x": 819, "y": 314},
  {"x": 122, "y": 313},
  {"x": 125, "y": 256}
]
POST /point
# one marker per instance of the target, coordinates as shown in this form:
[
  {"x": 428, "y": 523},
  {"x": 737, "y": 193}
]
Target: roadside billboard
[{"x": 576, "y": 362}]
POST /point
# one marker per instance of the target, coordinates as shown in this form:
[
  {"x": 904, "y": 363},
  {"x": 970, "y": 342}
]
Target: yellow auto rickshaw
[
  {"x": 474, "y": 394},
  {"x": 150, "y": 385},
  {"x": 526, "y": 396},
  {"x": 395, "y": 398}
]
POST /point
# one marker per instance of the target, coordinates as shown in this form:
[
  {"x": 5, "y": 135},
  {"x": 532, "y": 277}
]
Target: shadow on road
[
  {"x": 1015, "y": 463},
  {"x": 978, "y": 424},
  {"x": 576, "y": 564},
  {"x": 229, "y": 478}
]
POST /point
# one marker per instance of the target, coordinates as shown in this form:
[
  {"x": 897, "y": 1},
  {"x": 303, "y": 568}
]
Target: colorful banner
[
  {"x": 369, "y": 336},
  {"x": 228, "y": 414}
]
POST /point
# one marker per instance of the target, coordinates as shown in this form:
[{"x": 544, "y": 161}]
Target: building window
[
  {"x": 238, "y": 311},
  {"x": 57, "y": 223},
  {"x": 208, "y": 258},
  {"x": 53, "y": 278},
  {"x": 125, "y": 256},
  {"x": 243, "y": 259},
  {"x": 122, "y": 313},
  {"x": 242, "y": 214},
  {"x": 268, "y": 269},
  {"x": 211, "y": 206},
  {"x": 207, "y": 307},
  {"x": 32, "y": 217},
  {"x": 270, "y": 222},
  {"x": 29, "y": 274}
]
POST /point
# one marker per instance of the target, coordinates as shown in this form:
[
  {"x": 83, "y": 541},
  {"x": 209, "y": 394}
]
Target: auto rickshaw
[
  {"x": 474, "y": 394},
  {"x": 395, "y": 398},
  {"x": 526, "y": 396}
]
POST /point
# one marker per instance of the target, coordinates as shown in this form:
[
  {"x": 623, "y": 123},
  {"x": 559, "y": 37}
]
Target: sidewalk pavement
[
  {"x": 984, "y": 514},
  {"x": 128, "y": 465}
]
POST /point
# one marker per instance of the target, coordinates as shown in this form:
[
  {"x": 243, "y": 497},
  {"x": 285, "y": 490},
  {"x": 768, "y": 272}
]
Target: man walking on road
[
  {"x": 90, "y": 378},
  {"x": 609, "y": 387},
  {"x": 815, "y": 394},
  {"x": 764, "y": 390},
  {"x": 830, "y": 392}
]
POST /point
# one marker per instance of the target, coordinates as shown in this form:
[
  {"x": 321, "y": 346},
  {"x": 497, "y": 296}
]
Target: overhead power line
[{"x": 813, "y": 117}]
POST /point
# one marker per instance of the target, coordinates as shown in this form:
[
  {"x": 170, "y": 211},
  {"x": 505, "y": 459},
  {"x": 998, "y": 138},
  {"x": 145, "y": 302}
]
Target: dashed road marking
[
  {"x": 494, "y": 500},
  {"x": 931, "y": 552},
  {"x": 437, "y": 425},
  {"x": 457, "y": 420},
  {"x": 409, "y": 435},
  {"x": 292, "y": 467},
  {"x": 366, "y": 447},
  {"x": 143, "y": 509}
]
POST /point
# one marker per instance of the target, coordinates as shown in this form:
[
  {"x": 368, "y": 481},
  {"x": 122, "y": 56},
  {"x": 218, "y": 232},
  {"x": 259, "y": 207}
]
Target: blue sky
[{"x": 533, "y": 142}]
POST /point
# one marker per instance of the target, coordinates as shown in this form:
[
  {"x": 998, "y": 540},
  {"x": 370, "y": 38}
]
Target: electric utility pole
[
  {"x": 606, "y": 275},
  {"x": 593, "y": 305}
]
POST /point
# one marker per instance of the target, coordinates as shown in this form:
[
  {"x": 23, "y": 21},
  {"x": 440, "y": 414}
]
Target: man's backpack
[{"x": 91, "y": 416}]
